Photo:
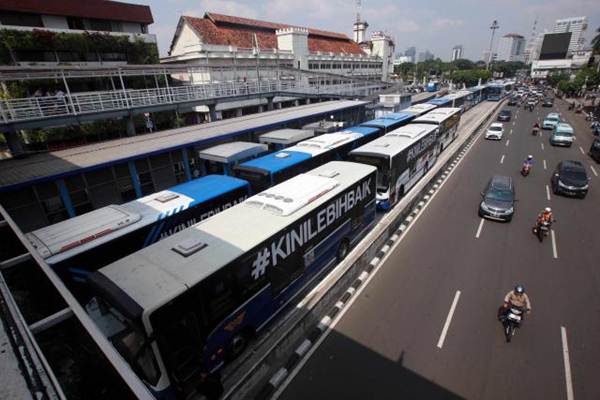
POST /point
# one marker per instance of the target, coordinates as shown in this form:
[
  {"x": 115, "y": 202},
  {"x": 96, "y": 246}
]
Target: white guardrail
[{"x": 33, "y": 108}]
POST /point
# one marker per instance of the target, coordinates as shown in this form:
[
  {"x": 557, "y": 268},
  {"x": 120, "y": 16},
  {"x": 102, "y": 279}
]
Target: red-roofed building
[
  {"x": 243, "y": 46},
  {"x": 113, "y": 18}
]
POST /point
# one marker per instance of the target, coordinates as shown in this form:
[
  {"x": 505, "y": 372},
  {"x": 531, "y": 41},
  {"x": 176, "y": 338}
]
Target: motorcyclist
[
  {"x": 546, "y": 217},
  {"x": 528, "y": 163},
  {"x": 517, "y": 298}
]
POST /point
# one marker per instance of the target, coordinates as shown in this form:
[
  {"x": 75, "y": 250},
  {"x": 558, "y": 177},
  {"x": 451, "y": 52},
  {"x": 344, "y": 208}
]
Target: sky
[{"x": 434, "y": 25}]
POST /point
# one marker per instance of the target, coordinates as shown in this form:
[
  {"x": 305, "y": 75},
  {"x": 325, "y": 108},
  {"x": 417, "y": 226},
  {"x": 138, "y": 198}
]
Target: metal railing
[{"x": 35, "y": 108}]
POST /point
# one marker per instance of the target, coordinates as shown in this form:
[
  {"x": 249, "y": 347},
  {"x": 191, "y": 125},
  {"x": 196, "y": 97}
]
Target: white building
[
  {"x": 402, "y": 59},
  {"x": 541, "y": 69},
  {"x": 116, "y": 19},
  {"x": 577, "y": 26},
  {"x": 245, "y": 47},
  {"x": 457, "y": 53},
  {"x": 511, "y": 48}
]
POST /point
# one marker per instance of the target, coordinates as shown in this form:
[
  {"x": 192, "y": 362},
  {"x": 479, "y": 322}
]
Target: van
[
  {"x": 550, "y": 121},
  {"x": 562, "y": 135}
]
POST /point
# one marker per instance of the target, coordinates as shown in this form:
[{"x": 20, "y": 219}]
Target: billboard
[{"x": 555, "y": 46}]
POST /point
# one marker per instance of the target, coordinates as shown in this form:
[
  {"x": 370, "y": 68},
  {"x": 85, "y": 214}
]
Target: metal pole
[
  {"x": 493, "y": 28},
  {"x": 64, "y": 79},
  {"x": 123, "y": 88}
]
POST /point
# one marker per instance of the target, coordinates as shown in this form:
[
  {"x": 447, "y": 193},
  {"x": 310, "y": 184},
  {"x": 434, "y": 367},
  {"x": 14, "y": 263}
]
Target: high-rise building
[
  {"x": 577, "y": 26},
  {"x": 511, "y": 47},
  {"x": 457, "y": 52},
  {"x": 411, "y": 52}
]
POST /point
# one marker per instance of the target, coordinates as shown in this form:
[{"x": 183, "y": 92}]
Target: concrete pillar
[
  {"x": 269, "y": 104},
  {"x": 135, "y": 180},
  {"x": 65, "y": 197},
  {"x": 261, "y": 108},
  {"x": 238, "y": 112},
  {"x": 198, "y": 118},
  {"x": 15, "y": 145},
  {"x": 279, "y": 105},
  {"x": 212, "y": 112},
  {"x": 130, "y": 126},
  {"x": 308, "y": 100},
  {"x": 296, "y": 103}
]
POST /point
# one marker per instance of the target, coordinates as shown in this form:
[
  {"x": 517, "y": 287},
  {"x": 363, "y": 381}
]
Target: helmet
[
  {"x": 519, "y": 289},
  {"x": 530, "y": 157},
  {"x": 548, "y": 209}
]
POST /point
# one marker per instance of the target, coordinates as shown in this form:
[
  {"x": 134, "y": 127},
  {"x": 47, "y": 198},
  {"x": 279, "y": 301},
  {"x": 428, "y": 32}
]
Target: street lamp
[{"x": 493, "y": 28}]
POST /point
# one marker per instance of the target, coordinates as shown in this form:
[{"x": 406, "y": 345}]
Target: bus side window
[
  {"x": 247, "y": 286},
  {"x": 219, "y": 297},
  {"x": 285, "y": 272}
]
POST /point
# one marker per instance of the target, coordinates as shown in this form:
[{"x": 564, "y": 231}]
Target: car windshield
[
  {"x": 574, "y": 173},
  {"x": 552, "y": 119},
  {"x": 563, "y": 133},
  {"x": 495, "y": 128},
  {"x": 499, "y": 195},
  {"x": 383, "y": 170}
]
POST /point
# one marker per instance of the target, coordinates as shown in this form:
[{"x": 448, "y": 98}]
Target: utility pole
[{"x": 493, "y": 28}]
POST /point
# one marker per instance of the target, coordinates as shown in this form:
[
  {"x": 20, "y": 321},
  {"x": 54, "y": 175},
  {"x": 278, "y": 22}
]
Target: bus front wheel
[
  {"x": 343, "y": 250},
  {"x": 238, "y": 344}
]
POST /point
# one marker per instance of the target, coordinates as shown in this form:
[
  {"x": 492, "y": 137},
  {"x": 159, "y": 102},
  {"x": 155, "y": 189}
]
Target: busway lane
[{"x": 389, "y": 324}]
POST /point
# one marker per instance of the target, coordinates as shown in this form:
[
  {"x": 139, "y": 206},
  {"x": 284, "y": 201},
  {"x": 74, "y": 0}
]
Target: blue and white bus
[
  {"x": 85, "y": 243},
  {"x": 461, "y": 99},
  {"x": 274, "y": 168},
  {"x": 390, "y": 121},
  {"x": 446, "y": 120},
  {"x": 419, "y": 109},
  {"x": 184, "y": 306},
  {"x": 402, "y": 157}
]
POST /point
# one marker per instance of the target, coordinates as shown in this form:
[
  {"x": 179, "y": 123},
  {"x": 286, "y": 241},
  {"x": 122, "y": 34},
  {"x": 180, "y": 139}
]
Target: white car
[{"x": 495, "y": 131}]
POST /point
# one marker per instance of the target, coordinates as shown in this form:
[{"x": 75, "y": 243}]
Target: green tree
[
  {"x": 463, "y": 63},
  {"x": 596, "y": 42}
]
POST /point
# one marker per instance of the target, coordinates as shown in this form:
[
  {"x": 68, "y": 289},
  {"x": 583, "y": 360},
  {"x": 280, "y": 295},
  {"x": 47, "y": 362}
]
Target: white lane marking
[
  {"x": 507, "y": 142},
  {"x": 510, "y": 132},
  {"x": 479, "y": 228},
  {"x": 502, "y": 159},
  {"x": 593, "y": 170},
  {"x": 440, "y": 342},
  {"x": 548, "y": 192},
  {"x": 581, "y": 150},
  {"x": 554, "y": 252},
  {"x": 567, "y": 362},
  {"x": 545, "y": 165},
  {"x": 542, "y": 146}
]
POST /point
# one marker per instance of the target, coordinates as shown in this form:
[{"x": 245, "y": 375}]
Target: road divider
[
  {"x": 502, "y": 159},
  {"x": 440, "y": 342},
  {"x": 275, "y": 360},
  {"x": 554, "y": 252},
  {"x": 548, "y": 192},
  {"x": 567, "y": 364},
  {"x": 581, "y": 150},
  {"x": 593, "y": 170},
  {"x": 507, "y": 142},
  {"x": 545, "y": 167},
  {"x": 542, "y": 144}
]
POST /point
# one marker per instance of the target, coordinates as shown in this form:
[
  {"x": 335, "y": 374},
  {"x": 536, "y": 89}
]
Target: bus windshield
[
  {"x": 257, "y": 180},
  {"x": 383, "y": 169},
  {"x": 128, "y": 337}
]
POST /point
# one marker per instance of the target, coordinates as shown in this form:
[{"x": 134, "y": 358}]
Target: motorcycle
[
  {"x": 541, "y": 230},
  {"x": 526, "y": 169},
  {"x": 512, "y": 321}
]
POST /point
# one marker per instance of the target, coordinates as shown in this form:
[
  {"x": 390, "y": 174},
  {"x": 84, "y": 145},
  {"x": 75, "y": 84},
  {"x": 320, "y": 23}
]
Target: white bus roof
[
  {"x": 229, "y": 153},
  {"x": 76, "y": 235},
  {"x": 286, "y": 136},
  {"x": 396, "y": 141},
  {"x": 419, "y": 109},
  {"x": 438, "y": 115},
  {"x": 458, "y": 95},
  {"x": 158, "y": 273},
  {"x": 322, "y": 143}
]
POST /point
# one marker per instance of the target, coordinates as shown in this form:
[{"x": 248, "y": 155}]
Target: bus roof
[
  {"x": 438, "y": 115},
  {"x": 73, "y": 236},
  {"x": 286, "y": 136},
  {"x": 458, "y": 95},
  {"x": 229, "y": 153},
  {"x": 275, "y": 162},
  {"x": 157, "y": 274},
  {"x": 394, "y": 142},
  {"x": 419, "y": 109},
  {"x": 364, "y": 130},
  {"x": 440, "y": 101},
  {"x": 389, "y": 119}
]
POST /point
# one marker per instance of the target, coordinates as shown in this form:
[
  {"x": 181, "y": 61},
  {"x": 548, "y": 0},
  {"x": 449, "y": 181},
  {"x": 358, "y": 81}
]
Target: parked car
[
  {"x": 504, "y": 115},
  {"x": 570, "y": 178},
  {"x": 548, "y": 102},
  {"x": 551, "y": 120},
  {"x": 513, "y": 101},
  {"x": 595, "y": 150},
  {"x": 498, "y": 199},
  {"x": 495, "y": 131},
  {"x": 562, "y": 135}
]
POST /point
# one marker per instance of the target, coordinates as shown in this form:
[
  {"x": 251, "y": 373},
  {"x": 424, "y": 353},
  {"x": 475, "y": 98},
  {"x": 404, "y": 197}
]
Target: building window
[
  {"x": 100, "y": 25},
  {"x": 75, "y": 23},
  {"x": 21, "y": 19}
]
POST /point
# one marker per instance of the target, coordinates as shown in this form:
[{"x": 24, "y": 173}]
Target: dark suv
[
  {"x": 570, "y": 178},
  {"x": 504, "y": 115},
  {"x": 595, "y": 150},
  {"x": 498, "y": 199}
]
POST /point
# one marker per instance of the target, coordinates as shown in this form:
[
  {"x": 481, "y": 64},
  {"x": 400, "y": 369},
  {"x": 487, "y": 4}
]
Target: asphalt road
[{"x": 389, "y": 342}]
